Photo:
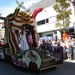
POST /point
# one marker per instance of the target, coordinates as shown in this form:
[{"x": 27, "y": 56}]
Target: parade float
[{"x": 19, "y": 51}]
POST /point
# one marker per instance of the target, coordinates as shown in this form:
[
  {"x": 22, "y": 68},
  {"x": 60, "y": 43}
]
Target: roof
[{"x": 45, "y": 3}]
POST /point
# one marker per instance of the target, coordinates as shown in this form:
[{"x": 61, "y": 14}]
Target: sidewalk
[{"x": 72, "y": 61}]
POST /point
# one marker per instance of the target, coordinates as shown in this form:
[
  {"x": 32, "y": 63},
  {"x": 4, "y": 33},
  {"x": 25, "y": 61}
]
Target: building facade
[{"x": 46, "y": 19}]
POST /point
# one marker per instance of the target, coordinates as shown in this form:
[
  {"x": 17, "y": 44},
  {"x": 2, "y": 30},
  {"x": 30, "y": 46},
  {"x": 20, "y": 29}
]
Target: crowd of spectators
[{"x": 53, "y": 47}]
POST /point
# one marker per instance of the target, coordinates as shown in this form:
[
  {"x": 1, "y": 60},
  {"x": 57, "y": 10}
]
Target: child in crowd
[{"x": 69, "y": 50}]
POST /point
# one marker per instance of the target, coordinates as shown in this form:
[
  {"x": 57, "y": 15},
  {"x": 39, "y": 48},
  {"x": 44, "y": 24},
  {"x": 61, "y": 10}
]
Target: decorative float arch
[{"x": 13, "y": 23}]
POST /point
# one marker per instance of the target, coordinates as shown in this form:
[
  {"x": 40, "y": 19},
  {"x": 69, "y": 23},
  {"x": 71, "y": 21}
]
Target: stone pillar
[
  {"x": 58, "y": 34},
  {"x": 53, "y": 35},
  {"x": 73, "y": 2}
]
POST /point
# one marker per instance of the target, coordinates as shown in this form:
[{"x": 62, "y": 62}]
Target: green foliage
[{"x": 62, "y": 7}]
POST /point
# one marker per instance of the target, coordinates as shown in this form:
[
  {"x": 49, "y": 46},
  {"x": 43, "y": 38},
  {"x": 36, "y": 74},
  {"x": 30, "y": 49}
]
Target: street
[{"x": 68, "y": 68}]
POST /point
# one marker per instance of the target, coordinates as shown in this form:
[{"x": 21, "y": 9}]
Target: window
[
  {"x": 42, "y": 22},
  {"x": 49, "y": 35},
  {"x": 47, "y": 20}
]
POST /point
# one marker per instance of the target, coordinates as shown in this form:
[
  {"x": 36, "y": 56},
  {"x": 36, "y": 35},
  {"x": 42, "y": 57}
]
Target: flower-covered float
[{"x": 21, "y": 42}]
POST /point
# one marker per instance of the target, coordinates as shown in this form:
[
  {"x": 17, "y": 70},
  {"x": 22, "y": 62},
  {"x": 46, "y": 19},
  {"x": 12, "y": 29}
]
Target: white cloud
[{"x": 6, "y": 10}]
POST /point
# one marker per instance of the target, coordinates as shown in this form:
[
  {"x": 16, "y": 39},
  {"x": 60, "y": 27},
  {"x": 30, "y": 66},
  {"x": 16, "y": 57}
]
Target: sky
[{"x": 7, "y": 7}]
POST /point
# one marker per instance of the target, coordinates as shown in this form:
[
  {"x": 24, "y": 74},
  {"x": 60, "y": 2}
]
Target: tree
[{"x": 62, "y": 7}]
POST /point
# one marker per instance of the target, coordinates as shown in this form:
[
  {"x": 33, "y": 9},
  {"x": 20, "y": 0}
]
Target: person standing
[
  {"x": 23, "y": 40},
  {"x": 30, "y": 40},
  {"x": 74, "y": 49}
]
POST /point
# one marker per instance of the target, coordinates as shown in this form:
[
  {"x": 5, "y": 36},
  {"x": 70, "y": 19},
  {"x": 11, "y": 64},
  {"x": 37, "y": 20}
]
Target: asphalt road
[{"x": 68, "y": 68}]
